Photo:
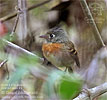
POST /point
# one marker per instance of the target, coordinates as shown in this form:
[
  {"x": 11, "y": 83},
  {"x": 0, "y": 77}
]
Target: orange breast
[{"x": 51, "y": 47}]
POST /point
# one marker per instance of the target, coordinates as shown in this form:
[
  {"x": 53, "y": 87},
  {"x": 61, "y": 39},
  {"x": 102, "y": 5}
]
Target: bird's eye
[{"x": 52, "y": 35}]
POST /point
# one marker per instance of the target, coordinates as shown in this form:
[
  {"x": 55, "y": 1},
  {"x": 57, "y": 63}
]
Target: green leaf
[
  {"x": 69, "y": 86},
  {"x": 64, "y": 85}
]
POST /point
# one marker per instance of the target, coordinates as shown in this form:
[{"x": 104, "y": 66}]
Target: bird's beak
[{"x": 44, "y": 36}]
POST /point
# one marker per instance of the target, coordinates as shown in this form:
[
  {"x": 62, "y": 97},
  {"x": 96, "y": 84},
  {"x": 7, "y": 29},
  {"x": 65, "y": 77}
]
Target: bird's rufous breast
[{"x": 51, "y": 47}]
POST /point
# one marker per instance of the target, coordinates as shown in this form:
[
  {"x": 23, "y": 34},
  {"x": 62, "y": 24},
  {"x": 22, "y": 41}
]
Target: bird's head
[{"x": 55, "y": 35}]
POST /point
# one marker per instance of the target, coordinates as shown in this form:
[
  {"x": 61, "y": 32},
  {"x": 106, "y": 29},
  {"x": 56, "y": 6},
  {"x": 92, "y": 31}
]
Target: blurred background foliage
[{"x": 38, "y": 81}]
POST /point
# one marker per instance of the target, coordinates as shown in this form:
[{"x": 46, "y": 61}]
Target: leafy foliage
[{"x": 63, "y": 84}]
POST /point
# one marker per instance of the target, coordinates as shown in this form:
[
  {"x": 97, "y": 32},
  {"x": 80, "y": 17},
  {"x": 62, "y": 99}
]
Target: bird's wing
[{"x": 70, "y": 47}]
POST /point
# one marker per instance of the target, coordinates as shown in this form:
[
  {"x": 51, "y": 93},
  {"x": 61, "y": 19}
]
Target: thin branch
[
  {"x": 15, "y": 25},
  {"x": 10, "y": 16},
  {"x": 4, "y": 62},
  {"x": 20, "y": 50},
  {"x": 97, "y": 34},
  {"x": 93, "y": 92},
  {"x": 7, "y": 72}
]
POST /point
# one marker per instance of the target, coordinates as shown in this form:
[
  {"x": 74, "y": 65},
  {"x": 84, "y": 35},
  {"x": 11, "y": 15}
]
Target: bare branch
[
  {"x": 2, "y": 63},
  {"x": 16, "y": 22},
  {"x": 10, "y": 16},
  {"x": 15, "y": 25},
  {"x": 7, "y": 72},
  {"x": 88, "y": 13},
  {"x": 93, "y": 93},
  {"x": 20, "y": 50}
]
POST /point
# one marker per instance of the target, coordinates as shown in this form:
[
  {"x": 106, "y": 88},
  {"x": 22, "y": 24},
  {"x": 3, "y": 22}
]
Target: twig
[
  {"x": 7, "y": 72},
  {"x": 21, "y": 50},
  {"x": 93, "y": 93},
  {"x": 10, "y": 16},
  {"x": 97, "y": 35},
  {"x": 15, "y": 24},
  {"x": 4, "y": 62}
]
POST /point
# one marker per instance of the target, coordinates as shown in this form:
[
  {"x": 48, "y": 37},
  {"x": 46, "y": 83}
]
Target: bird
[{"x": 59, "y": 50}]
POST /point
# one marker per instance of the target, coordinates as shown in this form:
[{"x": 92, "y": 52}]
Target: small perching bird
[{"x": 59, "y": 50}]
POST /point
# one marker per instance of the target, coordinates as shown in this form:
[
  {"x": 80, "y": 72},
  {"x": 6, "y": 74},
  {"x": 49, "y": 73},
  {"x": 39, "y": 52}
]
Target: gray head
[{"x": 56, "y": 35}]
